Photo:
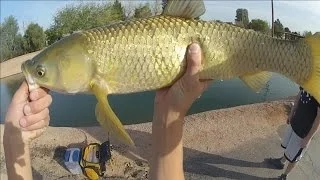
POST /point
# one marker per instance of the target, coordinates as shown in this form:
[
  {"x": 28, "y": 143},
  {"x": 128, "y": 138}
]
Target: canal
[{"x": 78, "y": 110}]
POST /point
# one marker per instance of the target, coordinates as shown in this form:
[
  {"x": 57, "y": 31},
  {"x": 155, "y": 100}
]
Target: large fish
[{"x": 148, "y": 54}]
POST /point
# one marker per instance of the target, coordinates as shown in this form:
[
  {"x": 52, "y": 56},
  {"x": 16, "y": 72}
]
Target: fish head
[{"x": 62, "y": 67}]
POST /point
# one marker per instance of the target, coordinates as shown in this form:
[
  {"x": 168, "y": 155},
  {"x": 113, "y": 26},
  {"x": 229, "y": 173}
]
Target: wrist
[
  {"x": 168, "y": 112},
  {"x": 167, "y": 148},
  {"x": 168, "y": 120},
  {"x": 167, "y": 129},
  {"x": 13, "y": 136}
]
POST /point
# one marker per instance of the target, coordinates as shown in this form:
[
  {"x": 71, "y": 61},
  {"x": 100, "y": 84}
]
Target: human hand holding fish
[
  {"x": 170, "y": 107},
  {"x": 180, "y": 96},
  {"x": 26, "y": 119},
  {"x": 149, "y": 54},
  {"x": 28, "y": 113}
]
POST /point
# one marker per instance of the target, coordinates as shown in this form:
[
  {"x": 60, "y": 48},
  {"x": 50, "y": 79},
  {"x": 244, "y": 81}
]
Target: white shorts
[{"x": 291, "y": 142}]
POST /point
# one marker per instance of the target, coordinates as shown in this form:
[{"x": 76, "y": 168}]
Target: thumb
[
  {"x": 21, "y": 94},
  {"x": 193, "y": 59}
]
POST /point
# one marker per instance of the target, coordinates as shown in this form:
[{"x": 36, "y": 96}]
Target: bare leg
[
  {"x": 289, "y": 167},
  {"x": 287, "y": 171}
]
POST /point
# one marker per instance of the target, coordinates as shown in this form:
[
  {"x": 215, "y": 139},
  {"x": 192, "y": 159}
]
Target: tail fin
[{"x": 312, "y": 85}]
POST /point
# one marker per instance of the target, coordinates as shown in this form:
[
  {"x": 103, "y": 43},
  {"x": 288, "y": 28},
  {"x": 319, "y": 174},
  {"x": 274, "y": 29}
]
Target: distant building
[{"x": 292, "y": 36}]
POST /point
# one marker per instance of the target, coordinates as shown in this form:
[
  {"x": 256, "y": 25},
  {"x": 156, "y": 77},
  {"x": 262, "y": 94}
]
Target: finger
[
  {"x": 38, "y": 93},
  {"x": 34, "y": 118},
  {"x": 39, "y": 125},
  {"x": 36, "y": 133},
  {"x": 34, "y": 107},
  {"x": 193, "y": 59},
  {"x": 21, "y": 94}
]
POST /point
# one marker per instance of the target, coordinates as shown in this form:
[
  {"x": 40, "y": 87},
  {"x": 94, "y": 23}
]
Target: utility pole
[{"x": 272, "y": 18}]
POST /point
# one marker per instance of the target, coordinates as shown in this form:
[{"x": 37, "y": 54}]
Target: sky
[{"x": 297, "y": 15}]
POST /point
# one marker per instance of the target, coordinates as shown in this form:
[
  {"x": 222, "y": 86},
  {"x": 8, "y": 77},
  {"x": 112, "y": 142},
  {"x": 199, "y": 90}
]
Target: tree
[
  {"x": 286, "y": 29},
  {"x": 307, "y": 33},
  {"x": 11, "y": 44},
  {"x": 35, "y": 37},
  {"x": 242, "y": 18},
  {"x": 142, "y": 11},
  {"x": 278, "y": 29},
  {"x": 83, "y": 17},
  {"x": 52, "y": 35},
  {"x": 118, "y": 11},
  {"x": 259, "y": 25},
  {"x": 19, "y": 45}
]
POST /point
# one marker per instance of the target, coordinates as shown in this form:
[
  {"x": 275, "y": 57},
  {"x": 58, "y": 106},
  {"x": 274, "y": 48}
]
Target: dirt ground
[{"x": 220, "y": 144}]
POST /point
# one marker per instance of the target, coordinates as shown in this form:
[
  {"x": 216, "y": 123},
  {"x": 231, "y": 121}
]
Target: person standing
[{"x": 303, "y": 121}]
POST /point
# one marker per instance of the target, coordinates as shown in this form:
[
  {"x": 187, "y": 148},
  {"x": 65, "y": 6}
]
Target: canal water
[{"x": 78, "y": 110}]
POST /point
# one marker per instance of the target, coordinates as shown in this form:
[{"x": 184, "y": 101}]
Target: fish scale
[{"x": 158, "y": 45}]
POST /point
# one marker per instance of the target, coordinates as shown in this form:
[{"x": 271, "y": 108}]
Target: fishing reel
[{"x": 94, "y": 158}]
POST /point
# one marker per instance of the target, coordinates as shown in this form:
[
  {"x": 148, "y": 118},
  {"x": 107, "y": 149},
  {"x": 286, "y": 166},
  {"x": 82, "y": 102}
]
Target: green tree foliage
[
  {"x": 82, "y": 17},
  {"x": 242, "y": 18},
  {"x": 52, "y": 35},
  {"x": 20, "y": 45},
  {"x": 35, "y": 37},
  {"x": 307, "y": 33},
  {"x": 11, "y": 40},
  {"x": 142, "y": 11},
  {"x": 287, "y": 30},
  {"x": 117, "y": 11},
  {"x": 259, "y": 25},
  {"x": 278, "y": 29}
]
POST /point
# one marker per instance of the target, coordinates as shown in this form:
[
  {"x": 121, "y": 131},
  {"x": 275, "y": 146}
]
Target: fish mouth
[{"x": 31, "y": 82}]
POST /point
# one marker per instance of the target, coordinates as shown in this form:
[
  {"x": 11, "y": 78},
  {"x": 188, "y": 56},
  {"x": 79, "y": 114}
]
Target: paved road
[{"x": 246, "y": 162}]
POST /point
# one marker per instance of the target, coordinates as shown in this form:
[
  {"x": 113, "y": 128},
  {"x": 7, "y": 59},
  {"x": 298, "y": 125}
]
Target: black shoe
[
  {"x": 275, "y": 162},
  {"x": 283, "y": 177}
]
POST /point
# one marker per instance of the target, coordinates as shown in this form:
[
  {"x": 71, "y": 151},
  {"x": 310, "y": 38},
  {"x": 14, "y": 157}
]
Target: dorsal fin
[{"x": 189, "y": 9}]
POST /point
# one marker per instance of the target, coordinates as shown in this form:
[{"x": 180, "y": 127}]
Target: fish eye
[{"x": 40, "y": 71}]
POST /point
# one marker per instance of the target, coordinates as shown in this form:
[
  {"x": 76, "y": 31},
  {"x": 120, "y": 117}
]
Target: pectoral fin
[
  {"x": 256, "y": 80},
  {"x": 107, "y": 118},
  {"x": 189, "y": 9}
]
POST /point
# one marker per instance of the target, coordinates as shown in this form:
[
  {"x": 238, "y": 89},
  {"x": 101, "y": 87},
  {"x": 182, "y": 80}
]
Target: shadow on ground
[
  {"x": 198, "y": 164},
  {"x": 36, "y": 175}
]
